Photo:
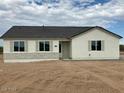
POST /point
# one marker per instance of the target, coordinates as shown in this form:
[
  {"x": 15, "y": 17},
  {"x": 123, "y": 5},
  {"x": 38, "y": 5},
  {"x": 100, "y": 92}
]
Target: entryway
[{"x": 64, "y": 49}]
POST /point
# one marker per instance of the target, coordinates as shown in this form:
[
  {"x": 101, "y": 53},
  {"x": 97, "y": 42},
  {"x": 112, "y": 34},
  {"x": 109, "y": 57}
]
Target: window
[
  {"x": 99, "y": 45},
  {"x": 96, "y": 45},
  {"x": 41, "y": 46},
  {"x": 47, "y": 47},
  {"x": 44, "y": 46},
  {"x": 93, "y": 47},
  {"x": 19, "y": 46},
  {"x": 60, "y": 47}
]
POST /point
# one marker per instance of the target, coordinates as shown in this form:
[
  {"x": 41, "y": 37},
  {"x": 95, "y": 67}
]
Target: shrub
[
  {"x": 121, "y": 47},
  {"x": 1, "y": 50}
]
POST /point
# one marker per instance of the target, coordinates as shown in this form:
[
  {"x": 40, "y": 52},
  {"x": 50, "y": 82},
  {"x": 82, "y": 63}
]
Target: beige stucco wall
[
  {"x": 55, "y": 46},
  {"x": 79, "y": 46},
  {"x": 6, "y": 45},
  {"x": 31, "y": 44}
]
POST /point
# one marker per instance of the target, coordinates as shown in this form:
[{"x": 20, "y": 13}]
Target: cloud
[
  {"x": 121, "y": 1},
  {"x": 59, "y": 12}
]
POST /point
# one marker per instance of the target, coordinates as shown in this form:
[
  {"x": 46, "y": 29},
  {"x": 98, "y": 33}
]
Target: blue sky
[{"x": 106, "y": 13}]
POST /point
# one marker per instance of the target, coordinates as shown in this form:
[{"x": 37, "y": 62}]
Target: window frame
[
  {"x": 44, "y": 46},
  {"x": 96, "y": 45},
  {"x": 19, "y": 46}
]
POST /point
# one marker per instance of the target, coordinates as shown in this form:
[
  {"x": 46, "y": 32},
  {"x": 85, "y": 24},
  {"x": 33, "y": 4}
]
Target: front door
[{"x": 65, "y": 49}]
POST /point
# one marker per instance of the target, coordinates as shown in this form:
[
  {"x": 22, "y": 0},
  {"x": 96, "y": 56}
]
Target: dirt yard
[{"x": 63, "y": 77}]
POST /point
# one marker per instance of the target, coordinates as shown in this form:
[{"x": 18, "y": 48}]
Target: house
[{"x": 39, "y": 43}]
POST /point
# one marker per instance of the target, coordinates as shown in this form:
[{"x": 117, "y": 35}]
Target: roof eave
[{"x": 116, "y": 35}]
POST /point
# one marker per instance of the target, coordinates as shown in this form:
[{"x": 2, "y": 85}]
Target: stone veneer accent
[{"x": 31, "y": 55}]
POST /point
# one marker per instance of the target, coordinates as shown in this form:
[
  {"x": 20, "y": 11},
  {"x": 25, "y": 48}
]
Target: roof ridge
[{"x": 53, "y": 26}]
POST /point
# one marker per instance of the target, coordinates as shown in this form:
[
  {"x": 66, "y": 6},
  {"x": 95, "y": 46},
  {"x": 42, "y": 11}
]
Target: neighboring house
[{"x": 38, "y": 43}]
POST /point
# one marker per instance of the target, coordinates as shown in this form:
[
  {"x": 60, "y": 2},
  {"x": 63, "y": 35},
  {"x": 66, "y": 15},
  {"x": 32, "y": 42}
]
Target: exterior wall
[
  {"x": 31, "y": 54},
  {"x": 6, "y": 45},
  {"x": 80, "y": 50},
  {"x": 56, "y": 46},
  {"x": 31, "y": 46}
]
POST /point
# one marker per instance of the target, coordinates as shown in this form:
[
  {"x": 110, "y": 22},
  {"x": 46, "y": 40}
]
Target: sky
[{"x": 106, "y": 13}]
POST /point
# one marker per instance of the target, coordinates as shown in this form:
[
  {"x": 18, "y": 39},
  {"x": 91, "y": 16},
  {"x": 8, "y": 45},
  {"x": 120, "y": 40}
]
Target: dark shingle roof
[{"x": 46, "y": 32}]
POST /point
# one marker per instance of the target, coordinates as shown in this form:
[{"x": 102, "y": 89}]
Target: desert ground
[{"x": 62, "y": 77}]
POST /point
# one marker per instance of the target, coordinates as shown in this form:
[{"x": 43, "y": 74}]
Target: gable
[{"x": 99, "y": 30}]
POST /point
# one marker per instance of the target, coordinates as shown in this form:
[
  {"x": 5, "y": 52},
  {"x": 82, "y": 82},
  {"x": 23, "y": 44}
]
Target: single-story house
[{"x": 39, "y": 43}]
